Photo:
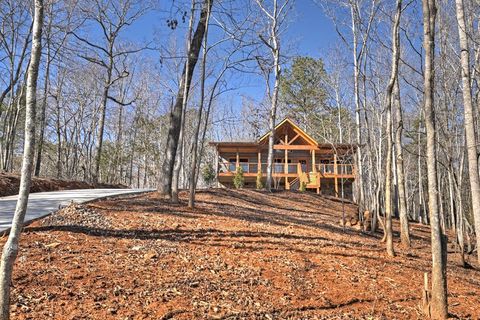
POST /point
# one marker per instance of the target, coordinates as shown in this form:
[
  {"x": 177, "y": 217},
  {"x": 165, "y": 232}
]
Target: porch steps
[{"x": 295, "y": 184}]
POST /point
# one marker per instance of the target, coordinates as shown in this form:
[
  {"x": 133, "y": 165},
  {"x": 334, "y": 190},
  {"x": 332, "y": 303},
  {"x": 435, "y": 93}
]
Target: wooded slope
[
  {"x": 238, "y": 255},
  {"x": 9, "y": 184}
]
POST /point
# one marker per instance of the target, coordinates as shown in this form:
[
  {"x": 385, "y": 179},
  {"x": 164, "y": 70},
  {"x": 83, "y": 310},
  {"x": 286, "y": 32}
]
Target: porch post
[
  {"x": 314, "y": 166},
  {"x": 237, "y": 164},
  {"x": 335, "y": 171},
  {"x": 259, "y": 168},
  {"x": 217, "y": 158},
  {"x": 285, "y": 165}
]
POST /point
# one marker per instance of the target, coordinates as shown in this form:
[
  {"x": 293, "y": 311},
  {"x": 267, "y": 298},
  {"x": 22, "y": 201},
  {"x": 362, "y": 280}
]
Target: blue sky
[
  {"x": 309, "y": 27},
  {"x": 312, "y": 30},
  {"x": 309, "y": 33}
]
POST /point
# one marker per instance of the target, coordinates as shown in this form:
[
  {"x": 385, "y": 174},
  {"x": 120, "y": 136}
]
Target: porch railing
[
  {"x": 252, "y": 167},
  {"x": 342, "y": 169},
  {"x": 292, "y": 168}
]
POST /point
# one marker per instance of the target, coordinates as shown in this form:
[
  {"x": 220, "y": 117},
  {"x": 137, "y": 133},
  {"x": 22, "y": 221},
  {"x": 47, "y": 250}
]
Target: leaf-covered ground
[
  {"x": 238, "y": 255},
  {"x": 9, "y": 184}
]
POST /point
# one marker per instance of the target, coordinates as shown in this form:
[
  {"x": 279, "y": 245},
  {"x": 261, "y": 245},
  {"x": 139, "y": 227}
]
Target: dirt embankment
[
  {"x": 238, "y": 255},
  {"x": 9, "y": 184}
]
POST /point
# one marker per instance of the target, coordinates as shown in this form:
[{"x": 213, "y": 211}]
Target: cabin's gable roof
[
  {"x": 289, "y": 123},
  {"x": 296, "y": 138}
]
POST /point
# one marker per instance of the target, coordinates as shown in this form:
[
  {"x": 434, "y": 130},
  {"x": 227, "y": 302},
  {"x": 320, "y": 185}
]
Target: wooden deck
[
  {"x": 297, "y": 159},
  {"x": 346, "y": 171},
  {"x": 294, "y": 174}
]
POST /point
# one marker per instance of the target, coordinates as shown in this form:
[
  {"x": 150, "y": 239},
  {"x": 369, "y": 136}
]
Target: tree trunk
[
  {"x": 101, "y": 124},
  {"x": 358, "y": 123},
  {"x": 439, "y": 308},
  {"x": 460, "y": 217},
  {"x": 195, "y": 151},
  {"x": 59, "y": 139},
  {"x": 275, "y": 49},
  {"x": 469, "y": 120},
  {"x": 132, "y": 151},
  {"x": 272, "y": 120},
  {"x": 402, "y": 194},
  {"x": 460, "y": 225},
  {"x": 180, "y": 148},
  {"x": 43, "y": 110},
  {"x": 388, "y": 101},
  {"x": 10, "y": 248},
  {"x": 165, "y": 181},
  {"x": 178, "y": 164}
]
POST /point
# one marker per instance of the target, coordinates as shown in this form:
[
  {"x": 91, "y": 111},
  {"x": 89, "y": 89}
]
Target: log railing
[
  {"x": 341, "y": 169},
  {"x": 252, "y": 167},
  {"x": 325, "y": 169}
]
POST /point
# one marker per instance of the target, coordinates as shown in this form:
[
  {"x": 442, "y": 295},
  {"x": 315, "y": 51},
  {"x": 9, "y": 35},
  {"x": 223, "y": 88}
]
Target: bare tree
[
  {"x": 48, "y": 62},
  {"x": 166, "y": 175},
  {"x": 359, "y": 53},
  {"x": 10, "y": 249},
  {"x": 470, "y": 134},
  {"x": 388, "y": 102},
  {"x": 439, "y": 308},
  {"x": 181, "y": 140},
  {"x": 58, "y": 16},
  {"x": 15, "y": 38},
  {"x": 275, "y": 15},
  {"x": 195, "y": 153},
  {"x": 108, "y": 54},
  {"x": 402, "y": 194}
]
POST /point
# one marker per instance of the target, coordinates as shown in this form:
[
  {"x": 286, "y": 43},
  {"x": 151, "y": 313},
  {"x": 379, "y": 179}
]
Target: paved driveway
[{"x": 42, "y": 203}]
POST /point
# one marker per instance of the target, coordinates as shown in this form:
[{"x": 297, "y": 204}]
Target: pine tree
[{"x": 239, "y": 179}]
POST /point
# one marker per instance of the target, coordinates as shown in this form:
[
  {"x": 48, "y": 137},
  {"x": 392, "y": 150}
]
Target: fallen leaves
[
  {"x": 151, "y": 254},
  {"x": 53, "y": 245},
  {"x": 240, "y": 254}
]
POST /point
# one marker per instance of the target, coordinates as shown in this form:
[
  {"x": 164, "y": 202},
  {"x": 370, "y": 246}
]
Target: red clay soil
[
  {"x": 9, "y": 184},
  {"x": 238, "y": 255}
]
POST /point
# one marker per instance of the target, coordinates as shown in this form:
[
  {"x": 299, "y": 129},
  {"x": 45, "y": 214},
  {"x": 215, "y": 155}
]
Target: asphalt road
[{"x": 43, "y": 203}]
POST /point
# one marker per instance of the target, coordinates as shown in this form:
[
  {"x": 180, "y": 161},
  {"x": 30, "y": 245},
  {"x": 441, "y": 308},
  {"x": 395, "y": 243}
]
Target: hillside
[
  {"x": 9, "y": 184},
  {"x": 239, "y": 255}
]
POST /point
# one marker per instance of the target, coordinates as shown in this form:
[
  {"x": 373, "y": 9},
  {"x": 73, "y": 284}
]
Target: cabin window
[
  {"x": 303, "y": 164},
  {"x": 278, "y": 165},
  {"x": 232, "y": 164},
  {"x": 243, "y": 164}
]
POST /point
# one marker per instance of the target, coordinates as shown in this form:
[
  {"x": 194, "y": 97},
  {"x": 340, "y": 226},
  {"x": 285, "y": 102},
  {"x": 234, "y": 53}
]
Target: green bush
[
  {"x": 208, "y": 174},
  {"x": 238, "y": 178},
  {"x": 303, "y": 186},
  {"x": 259, "y": 183}
]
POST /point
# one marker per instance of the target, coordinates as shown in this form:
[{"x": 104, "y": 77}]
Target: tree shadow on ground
[
  {"x": 236, "y": 239},
  {"x": 260, "y": 198},
  {"x": 180, "y": 235},
  {"x": 246, "y": 207},
  {"x": 247, "y": 210},
  {"x": 279, "y": 312}
]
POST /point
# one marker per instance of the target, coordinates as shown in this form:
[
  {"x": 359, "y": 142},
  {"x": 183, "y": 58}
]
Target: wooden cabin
[{"x": 298, "y": 158}]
